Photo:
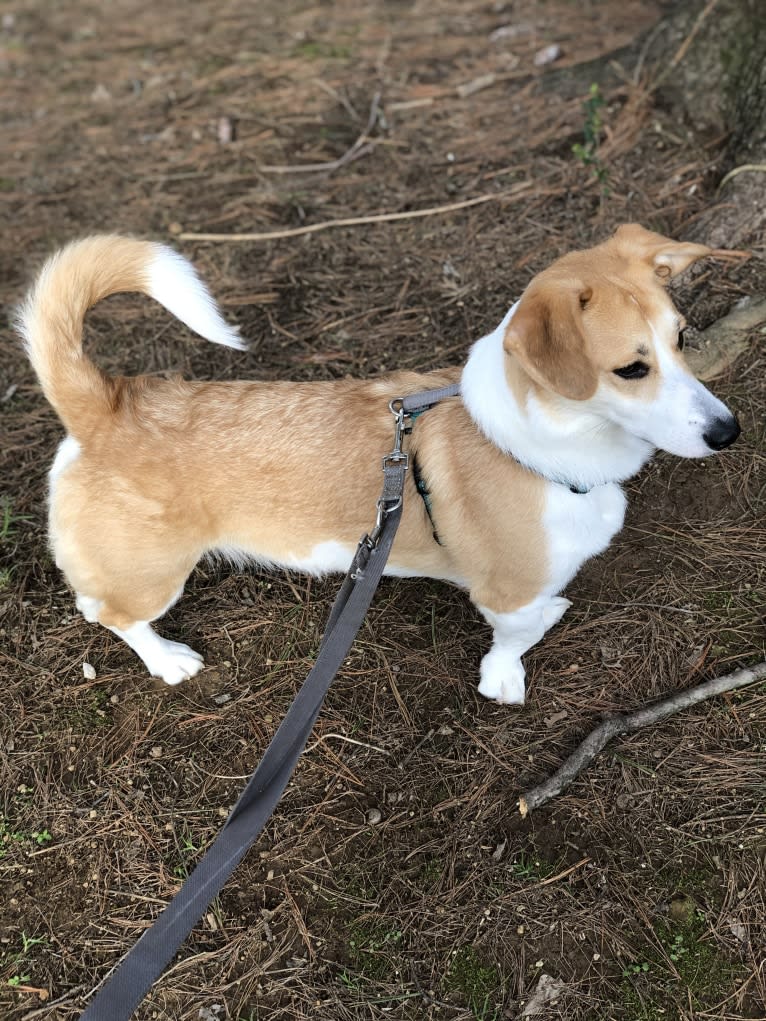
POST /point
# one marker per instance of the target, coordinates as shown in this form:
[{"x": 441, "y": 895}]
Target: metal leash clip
[
  {"x": 397, "y": 455},
  {"x": 395, "y": 465}
]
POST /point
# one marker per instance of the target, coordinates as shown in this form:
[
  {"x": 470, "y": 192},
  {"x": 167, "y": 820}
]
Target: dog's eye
[
  {"x": 680, "y": 340},
  {"x": 636, "y": 370}
]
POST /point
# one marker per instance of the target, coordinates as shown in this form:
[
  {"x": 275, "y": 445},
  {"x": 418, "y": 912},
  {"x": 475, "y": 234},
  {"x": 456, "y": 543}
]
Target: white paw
[
  {"x": 175, "y": 662},
  {"x": 554, "y": 610},
  {"x": 502, "y": 677}
]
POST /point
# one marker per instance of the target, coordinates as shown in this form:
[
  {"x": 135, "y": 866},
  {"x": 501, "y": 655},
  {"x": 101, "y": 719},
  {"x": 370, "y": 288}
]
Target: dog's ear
[
  {"x": 546, "y": 335},
  {"x": 667, "y": 258}
]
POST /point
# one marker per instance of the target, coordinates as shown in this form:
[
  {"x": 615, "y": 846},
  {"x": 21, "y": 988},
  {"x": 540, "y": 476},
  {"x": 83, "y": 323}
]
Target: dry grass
[{"x": 450, "y": 906}]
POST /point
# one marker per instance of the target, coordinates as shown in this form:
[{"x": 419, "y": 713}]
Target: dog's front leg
[{"x": 502, "y": 672}]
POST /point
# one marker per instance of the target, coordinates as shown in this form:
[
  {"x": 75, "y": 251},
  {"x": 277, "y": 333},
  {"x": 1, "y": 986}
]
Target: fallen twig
[
  {"x": 627, "y": 723},
  {"x": 750, "y": 168},
  {"x": 729, "y": 254},
  {"x": 46, "y": 1010},
  {"x": 359, "y": 148},
  {"x": 355, "y": 221},
  {"x": 349, "y": 740}
]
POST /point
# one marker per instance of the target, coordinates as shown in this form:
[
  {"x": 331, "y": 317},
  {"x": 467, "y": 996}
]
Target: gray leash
[{"x": 139, "y": 970}]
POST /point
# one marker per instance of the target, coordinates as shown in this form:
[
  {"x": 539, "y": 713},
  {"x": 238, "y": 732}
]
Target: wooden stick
[
  {"x": 354, "y": 221},
  {"x": 627, "y": 723},
  {"x": 728, "y": 255},
  {"x": 359, "y": 148}
]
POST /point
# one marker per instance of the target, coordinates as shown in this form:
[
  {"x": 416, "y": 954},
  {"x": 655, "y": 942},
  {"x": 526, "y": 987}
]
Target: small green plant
[
  {"x": 7, "y": 836},
  {"x": 531, "y": 867},
  {"x": 10, "y": 835},
  {"x": 350, "y": 981},
  {"x": 186, "y": 848},
  {"x": 478, "y": 982},
  {"x": 635, "y": 969},
  {"x": 16, "y": 960},
  {"x": 18, "y": 980},
  {"x": 9, "y": 520},
  {"x": 31, "y": 941},
  {"x": 371, "y": 947},
  {"x": 587, "y": 152},
  {"x": 677, "y": 949},
  {"x": 683, "y": 964}
]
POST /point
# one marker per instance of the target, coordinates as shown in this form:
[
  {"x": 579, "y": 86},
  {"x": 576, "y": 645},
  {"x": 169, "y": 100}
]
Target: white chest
[{"x": 579, "y": 526}]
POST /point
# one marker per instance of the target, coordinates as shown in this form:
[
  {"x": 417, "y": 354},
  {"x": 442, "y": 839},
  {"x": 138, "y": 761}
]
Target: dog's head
[{"x": 598, "y": 327}]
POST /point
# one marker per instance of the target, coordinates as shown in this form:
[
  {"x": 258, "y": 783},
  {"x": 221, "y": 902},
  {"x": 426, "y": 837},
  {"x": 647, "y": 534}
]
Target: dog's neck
[{"x": 559, "y": 439}]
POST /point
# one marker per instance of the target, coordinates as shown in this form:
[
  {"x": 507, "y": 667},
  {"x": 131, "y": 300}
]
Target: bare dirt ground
[{"x": 641, "y": 891}]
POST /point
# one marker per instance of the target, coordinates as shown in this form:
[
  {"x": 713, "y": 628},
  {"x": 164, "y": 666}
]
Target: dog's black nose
[{"x": 722, "y": 433}]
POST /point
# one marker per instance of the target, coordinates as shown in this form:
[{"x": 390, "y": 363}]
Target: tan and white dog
[{"x": 568, "y": 397}]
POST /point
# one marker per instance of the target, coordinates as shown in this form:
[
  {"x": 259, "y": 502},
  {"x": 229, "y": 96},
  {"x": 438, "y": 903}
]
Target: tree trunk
[{"x": 716, "y": 89}]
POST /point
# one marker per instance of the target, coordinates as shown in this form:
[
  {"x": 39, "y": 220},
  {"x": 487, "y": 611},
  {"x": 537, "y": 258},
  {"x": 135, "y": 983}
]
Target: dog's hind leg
[
  {"x": 125, "y": 591},
  {"x": 172, "y": 661},
  {"x": 125, "y": 559}
]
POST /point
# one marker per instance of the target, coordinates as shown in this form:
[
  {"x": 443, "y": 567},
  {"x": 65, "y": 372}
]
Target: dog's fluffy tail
[{"x": 51, "y": 318}]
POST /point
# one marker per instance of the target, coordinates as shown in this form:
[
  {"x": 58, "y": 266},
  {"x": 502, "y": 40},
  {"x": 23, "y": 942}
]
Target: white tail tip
[{"x": 174, "y": 283}]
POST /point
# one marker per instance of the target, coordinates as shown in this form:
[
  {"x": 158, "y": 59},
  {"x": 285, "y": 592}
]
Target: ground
[{"x": 396, "y": 878}]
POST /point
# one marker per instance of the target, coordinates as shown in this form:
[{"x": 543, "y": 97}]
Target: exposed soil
[{"x": 642, "y": 889}]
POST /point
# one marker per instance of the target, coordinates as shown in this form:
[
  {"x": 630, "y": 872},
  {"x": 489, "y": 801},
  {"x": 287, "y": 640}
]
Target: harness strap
[
  {"x": 414, "y": 404},
  {"x": 425, "y": 494}
]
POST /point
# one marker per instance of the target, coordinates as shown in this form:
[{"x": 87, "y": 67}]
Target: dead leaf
[
  {"x": 611, "y": 656},
  {"x": 555, "y": 718},
  {"x": 548, "y": 990},
  {"x": 212, "y": 1013},
  {"x": 738, "y": 931}
]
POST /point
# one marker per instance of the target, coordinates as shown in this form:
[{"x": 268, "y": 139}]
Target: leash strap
[{"x": 148, "y": 958}]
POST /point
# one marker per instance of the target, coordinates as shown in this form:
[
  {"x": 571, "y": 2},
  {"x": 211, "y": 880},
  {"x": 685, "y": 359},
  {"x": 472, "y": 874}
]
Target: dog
[{"x": 518, "y": 477}]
